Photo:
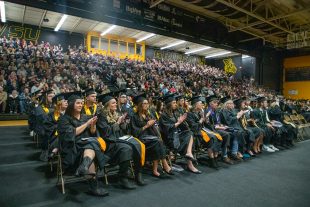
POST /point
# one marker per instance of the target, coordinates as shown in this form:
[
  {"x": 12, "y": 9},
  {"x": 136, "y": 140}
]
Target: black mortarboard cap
[
  {"x": 64, "y": 96},
  {"x": 119, "y": 92},
  {"x": 261, "y": 99},
  {"x": 225, "y": 99},
  {"x": 196, "y": 99},
  {"x": 169, "y": 98},
  {"x": 211, "y": 98},
  {"x": 238, "y": 102},
  {"x": 74, "y": 96},
  {"x": 105, "y": 98},
  {"x": 179, "y": 97},
  {"x": 37, "y": 92},
  {"x": 139, "y": 98},
  {"x": 89, "y": 91}
]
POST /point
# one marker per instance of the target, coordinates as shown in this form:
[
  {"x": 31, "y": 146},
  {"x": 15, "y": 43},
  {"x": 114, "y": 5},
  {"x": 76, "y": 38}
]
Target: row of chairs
[{"x": 299, "y": 122}]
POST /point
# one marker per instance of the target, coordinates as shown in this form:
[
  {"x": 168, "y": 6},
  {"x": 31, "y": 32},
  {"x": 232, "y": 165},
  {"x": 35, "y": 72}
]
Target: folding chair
[
  {"x": 300, "y": 126},
  {"x": 62, "y": 179}
]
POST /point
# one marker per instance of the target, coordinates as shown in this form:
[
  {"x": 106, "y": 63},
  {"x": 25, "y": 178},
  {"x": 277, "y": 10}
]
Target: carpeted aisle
[{"x": 279, "y": 179}]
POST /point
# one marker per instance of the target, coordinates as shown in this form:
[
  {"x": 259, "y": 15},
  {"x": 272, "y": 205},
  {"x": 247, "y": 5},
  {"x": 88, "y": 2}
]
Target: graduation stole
[
  {"x": 56, "y": 117},
  {"x": 87, "y": 110},
  {"x": 157, "y": 115},
  {"x": 102, "y": 144},
  {"x": 45, "y": 109}
]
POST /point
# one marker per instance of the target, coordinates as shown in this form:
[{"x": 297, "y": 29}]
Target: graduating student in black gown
[
  {"x": 32, "y": 110},
  {"x": 215, "y": 125},
  {"x": 253, "y": 134},
  {"x": 90, "y": 106},
  {"x": 79, "y": 144},
  {"x": 197, "y": 121},
  {"x": 288, "y": 132},
  {"x": 144, "y": 126},
  {"x": 260, "y": 114},
  {"x": 45, "y": 107},
  {"x": 51, "y": 122},
  {"x": 121, "y": 147},
  {"x": 230, "y": 117},
  {"x": 176, "y": 133}
]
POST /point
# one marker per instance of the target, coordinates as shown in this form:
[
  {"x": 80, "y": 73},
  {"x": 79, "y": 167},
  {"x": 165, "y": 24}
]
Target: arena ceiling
[
  {"x": 269, "y": 20},
  {"x": 35, "y": 16}
]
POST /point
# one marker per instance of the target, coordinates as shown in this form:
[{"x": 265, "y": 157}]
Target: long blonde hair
[{"x": 111, "y": 117}]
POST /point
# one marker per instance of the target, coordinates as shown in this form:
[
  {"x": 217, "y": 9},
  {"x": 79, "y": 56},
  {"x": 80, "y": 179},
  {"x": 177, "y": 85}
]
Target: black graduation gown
[
  {"x": 40, "y": 117},
  {"x": 214, "y": 119},
  {"x": 119, "y": 150},
  {"x": 50, "y": 127},
  {"x": 155, "y": 149},
  {"x": 261, "y": 121},
  {"x": 175, "y": 138},
  {"x": 288, "y": 132},
  {"x": 196, "y": 127},
  {"x": 229, "y": 118},
  {"x": 72, "y": 146},
  {"x": 31, "y": 116}
]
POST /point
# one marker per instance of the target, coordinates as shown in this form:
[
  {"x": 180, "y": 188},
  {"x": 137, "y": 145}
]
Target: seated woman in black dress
[
  {"x": 144, "y": 126},
  {"x": 176, "y": 133},
  {"x": 50, "y": 123},
  {"x": 78, "y": 141},
  {"x": 121, "y": 147},
  {"x": 197, "y": 120}
]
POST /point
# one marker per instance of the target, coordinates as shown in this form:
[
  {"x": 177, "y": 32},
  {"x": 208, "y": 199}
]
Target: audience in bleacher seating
[{"x": 95, "y": 110}]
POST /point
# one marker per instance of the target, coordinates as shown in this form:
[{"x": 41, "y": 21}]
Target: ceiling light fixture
[
  {"x": 108, "y": 30},
  {"x": 218, "y": 54},
  {"x": 146, "y": 37},
  {"x": 2, "y": 10},
  {"x": 60, "y": 23},
  {"x": 197, "y": 50},
  {"x": 173, "y": 44}
]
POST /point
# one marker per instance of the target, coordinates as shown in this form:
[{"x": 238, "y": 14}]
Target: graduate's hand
[
  {"x": 94, "y": 120},
  {"x": 208, "y": 114},
  {"x": 150, "y": 123},
  {"x": 182, "y": 118}
]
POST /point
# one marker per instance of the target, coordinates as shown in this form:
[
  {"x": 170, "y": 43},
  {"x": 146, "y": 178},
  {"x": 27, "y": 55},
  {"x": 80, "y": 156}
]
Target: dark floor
[{"x": 278, "y": 179}]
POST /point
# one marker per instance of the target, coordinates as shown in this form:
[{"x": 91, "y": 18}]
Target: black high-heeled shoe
[
  {"x": 191, "y": 159},
  {"x": 170, "y": 172},
  {"x": 195, "y": 172}
]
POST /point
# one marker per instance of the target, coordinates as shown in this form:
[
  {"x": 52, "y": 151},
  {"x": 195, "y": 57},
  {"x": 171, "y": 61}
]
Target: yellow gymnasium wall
[
  {"x": 296, "y": 80},
  {"x": 115, "y": 46}
]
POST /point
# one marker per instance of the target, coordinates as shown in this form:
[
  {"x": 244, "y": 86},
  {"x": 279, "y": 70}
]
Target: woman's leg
[
  {"x": 155, "y": 168},
  {"x": 189, "y": 150}
]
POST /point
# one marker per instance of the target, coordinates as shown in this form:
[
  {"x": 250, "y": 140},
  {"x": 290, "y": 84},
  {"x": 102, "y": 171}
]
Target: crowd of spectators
[{"x": 26, "y": 67}]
